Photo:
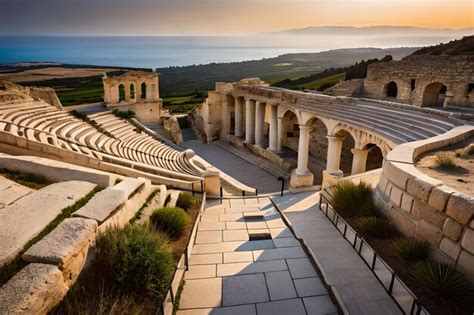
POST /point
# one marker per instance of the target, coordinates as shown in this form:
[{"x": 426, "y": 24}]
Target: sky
[{"x": 221, "y": 17}]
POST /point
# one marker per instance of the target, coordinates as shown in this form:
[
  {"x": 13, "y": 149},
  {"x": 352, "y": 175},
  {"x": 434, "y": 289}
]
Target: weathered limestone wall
[
  {"x": 455, "y": 72},
  {"x": 146, "y": 103},
  {"x": 46, "y": 94},
  {"x": 170, "y": 123},
  {"x": 425, "y": 208}
]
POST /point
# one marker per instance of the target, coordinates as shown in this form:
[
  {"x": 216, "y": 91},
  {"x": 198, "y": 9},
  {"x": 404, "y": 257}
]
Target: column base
[
  {"x": 330, "y": 178},
  {"x": 298, "y": 181}
]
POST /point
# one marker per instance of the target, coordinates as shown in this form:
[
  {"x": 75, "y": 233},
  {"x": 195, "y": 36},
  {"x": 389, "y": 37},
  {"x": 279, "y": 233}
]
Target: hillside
[
  {"x": 464, "y": 46},
  {"x": 289, "y": 66}
]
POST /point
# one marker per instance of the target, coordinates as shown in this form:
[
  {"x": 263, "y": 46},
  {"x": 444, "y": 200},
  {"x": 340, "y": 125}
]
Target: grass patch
[
  {"x": 441, "y": 283},
  {"x": 186, "y": 201},
  {"x": 354, "y": 200},
  {"x": 324, "y": 83},
  {"x": 81, "y": 95},
  {"x": 29, "y": 180},
  {"x": 410, "y": 249},
  {"x": 444, "y": 160},
  {"x": 9, "y": 270},
  {"x": 375, "y": 227},
  {"x": 171, "y": 221},
  {"x": 465, "y": 152}
]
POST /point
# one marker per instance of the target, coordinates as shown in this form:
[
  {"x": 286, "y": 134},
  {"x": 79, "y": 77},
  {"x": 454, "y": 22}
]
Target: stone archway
[
  {"x": 318, "y": 148},
  {"x": 289, "y": 130},
  {"x": 374, "y": 157},
  {"x": 121, "y": 89},
  {"x": 348, "y": 144},
  {"x": 434, "y": 94},
  {"x": 143, "y": 91},
  {"x": 391, "y": 89},
  {"x": 132, "y": 91}
]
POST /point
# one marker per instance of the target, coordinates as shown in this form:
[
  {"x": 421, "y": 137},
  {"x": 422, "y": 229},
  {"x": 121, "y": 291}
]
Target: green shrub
[
  {"x": 128, "y": 115},
  {"x": 137, "y": 259},
  {"x": 186, "y": 201},
  {"x": 441, "y": 282},
  {"x": 410, "y": 249},
  {"x": 375, "y": 227},
  {"x": 171, "y": 221},
  {"x": 354, "y": 200},
  {"x": 444, "y": 160}
]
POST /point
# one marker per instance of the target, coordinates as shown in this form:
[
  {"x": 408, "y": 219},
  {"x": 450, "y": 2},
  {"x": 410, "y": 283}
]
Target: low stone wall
[
  {"x": 423, "y": 207},
  {"x": 57, "y": 260}
]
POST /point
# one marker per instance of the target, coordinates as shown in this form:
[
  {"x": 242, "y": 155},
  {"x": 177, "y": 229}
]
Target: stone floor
[
  {"x": 341, "y": 266},
  {"x": 233, "y": 165},
  {"x": 231, "y": 274},
  {"x": 11, "y": 191}
]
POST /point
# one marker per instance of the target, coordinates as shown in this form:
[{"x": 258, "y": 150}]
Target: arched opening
[
  {"x": 143, "y": 90},
  {"x": 318, "y": 148},
  {"x": 346, "y": 153},
  {"x": 132, "y": 91},
  {"x": 374, "y": 157},
  {"x": 121, "y": 89},
  {"x": 391, "y": 90},
  {"x": 434, "y": 94},
  {"x": 290, "y": 131}
]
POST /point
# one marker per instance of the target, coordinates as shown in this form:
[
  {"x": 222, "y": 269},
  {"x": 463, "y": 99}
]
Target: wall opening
[
  {"x": 413, "y": 84},
  {"x": 374, "y": 158},
  {"x": 346, "y": 153},
  {"x": 121, "y": 89},
  {"x": 132, "y": 91},
  {"x": 434, "y": 95},
  {"x": 391, "y": 89},
  {"x": 143, "y": 90}
]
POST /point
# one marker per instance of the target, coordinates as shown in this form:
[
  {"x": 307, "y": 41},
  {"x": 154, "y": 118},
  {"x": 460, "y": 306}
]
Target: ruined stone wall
[
  {"x": 425, "y": 208},
  {"x": 455, "y": 72}
]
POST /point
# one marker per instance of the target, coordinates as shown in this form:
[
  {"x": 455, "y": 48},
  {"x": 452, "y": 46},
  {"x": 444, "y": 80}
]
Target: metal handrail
[{"x": 416, "y": 307}]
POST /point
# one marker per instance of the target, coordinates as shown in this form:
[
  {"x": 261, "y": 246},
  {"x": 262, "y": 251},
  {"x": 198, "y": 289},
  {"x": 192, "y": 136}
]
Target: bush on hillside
[
  {"x": 128, "y": 115},
  {"x": 172, "y": 221},
  {"x": 186, "y": 201},
  {"x": 410, "y": 249},
  {"x": 354, "y": 200},
  {"x": 137, "y": 259}
]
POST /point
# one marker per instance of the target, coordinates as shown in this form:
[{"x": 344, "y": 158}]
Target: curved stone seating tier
[
  {"x": 46, "y": 124},
  {"x": 397, "y": 124}
]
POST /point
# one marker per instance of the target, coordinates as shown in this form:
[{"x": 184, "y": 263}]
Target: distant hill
[
  {"x": 376, "y": 31},
  {"x": 203, "y": 77},
  {"x": 464, "y": 46}
]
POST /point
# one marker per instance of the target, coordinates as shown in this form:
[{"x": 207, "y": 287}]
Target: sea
[{"x": 168, "y": 51}]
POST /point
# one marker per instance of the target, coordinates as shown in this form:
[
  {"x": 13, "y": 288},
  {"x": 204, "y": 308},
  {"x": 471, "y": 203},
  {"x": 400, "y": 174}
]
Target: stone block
[
  {"x": 407, "y": 202},
  {"x": 421, "y": 187},
  {"x": 388, "y": 189},
  {"x": 66, "y": 247},
  {"x": 450, "y": 248},
  {"x": 452, "y": 229},
  {"x": 280, "y": 286},
  {"x": 439, "y": 197},
  {"x": 402, "y": 221},
  {"x": 428, "y": 232},
  {"x": 130, "y": 185},
  {"x": 36, "y": 289},
  {"x": 422, "y": 211},
  {"x": 382, "y": 183},
  {"x": 102, "y": 205},
  {"x": 466, "y": 261},
  {"x": 396, "y": 174},
  {"x": 396, "y": 196},
  {"x": 16, "y": 231},
  {"x": 467, "y": 241},
  {"x": 460, "y": 207},
  {"x": 244, "y": 289},
  {"x": 299, "y": 181}
]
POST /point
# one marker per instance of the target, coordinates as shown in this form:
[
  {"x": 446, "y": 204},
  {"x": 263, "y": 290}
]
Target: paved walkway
[
  {"x": 243, "y": 171},
  {"x": 11, "y": 191},
  {"x": 342, "y": 268},
  {"x": 231, "y": 273}
]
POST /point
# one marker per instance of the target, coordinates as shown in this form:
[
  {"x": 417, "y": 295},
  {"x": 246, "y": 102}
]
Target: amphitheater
[{"x": 251, "y": 139}]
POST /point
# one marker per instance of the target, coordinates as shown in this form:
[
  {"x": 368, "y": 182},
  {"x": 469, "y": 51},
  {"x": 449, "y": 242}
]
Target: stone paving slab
[
  {"x": 279, "y": 253},
  {"x": 200, "y": 272},
  {"x": 206, "y": 237},
  {"x": 284, "y": 307},
  {"x": 194, "y": 295},
  {"x": 319, "y": 305},
  {"x": 244, "y": 289},
  {"x": 235, "y": 235},
  {"x": 11, "y": 191},
  {"x": 102, "y": 205},
  {"x": 280, "y": 286},
  {"x": 248, "y": 309},
  {"x": 309, "y": 287},
  {"x": 243, "y": 268},
  {"x": 238, "y": 257},
  {"x": 205, "y": 259},
  {"x": 27, "y": 217}
]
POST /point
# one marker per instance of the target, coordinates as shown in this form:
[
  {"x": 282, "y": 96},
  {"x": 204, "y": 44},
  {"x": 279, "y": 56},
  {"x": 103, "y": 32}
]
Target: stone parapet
[{"x": 423, "y": 207}]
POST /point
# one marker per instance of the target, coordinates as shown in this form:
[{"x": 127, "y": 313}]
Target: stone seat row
[{"x": 46, "y": 124}]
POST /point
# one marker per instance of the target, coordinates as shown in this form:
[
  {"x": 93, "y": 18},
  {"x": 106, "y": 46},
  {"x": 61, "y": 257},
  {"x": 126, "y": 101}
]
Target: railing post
[
  {"x": 222, "y": 192},
  {"x": 282, "y": 180},
  {"x": 192, "y": 188},
  {"x": 243, "y": 193},
  {"x": 392, "y": 281},
  {"x": 202, "y": 186},
  {"x": 373, "y": 261},
  {"x": 256, "y": 192}
]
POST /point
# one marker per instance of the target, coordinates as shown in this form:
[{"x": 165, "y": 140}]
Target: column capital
[
  {"x": 335, "y": 138},
  {"x": 304, "y": 127}
]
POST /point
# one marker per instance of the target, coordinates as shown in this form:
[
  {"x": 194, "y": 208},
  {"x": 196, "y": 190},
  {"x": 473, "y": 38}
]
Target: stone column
[
  {"x": 225, "y": 118},
  {"x": 238, "y": 116},
  {"x": 359, "y": 161},
  {"x": 279, "y": 133},
  {"x": 334, "y": 153},
  {"x": 303, "y": 150},
  {"x": 273, "y": 136},
  {"x": 259, "y": 123},
  {"x": 127, "y": 92},
  {"x": 138, "y": 91},
  {"x": 250, "y": 121}
]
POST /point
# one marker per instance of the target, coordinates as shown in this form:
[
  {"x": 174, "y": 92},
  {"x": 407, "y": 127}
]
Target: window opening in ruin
[
  {"x": 392, "y": 89},
  {"x": 143, "y": 90},
  {"x": 132, "y": 91},
  {"x": 434, "y": 94},
  {"x": 121, "y": 93},
  {"x": 413, "y": 84},
  {"x": 470, "y": 87}
]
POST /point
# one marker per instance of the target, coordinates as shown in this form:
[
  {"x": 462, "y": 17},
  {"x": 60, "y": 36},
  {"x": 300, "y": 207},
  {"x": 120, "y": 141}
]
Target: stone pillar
[
  {"x": 302, "y": 177},
  {"x": 334, "y": 153},
  {"x": 138, "y": 91},
  {"x": 273, "y": 136},
  {"x": 225, "y": 115},
  {"x": 212, "y": 181},
  {"x": 359, "y": 161},
  {"x": 279, "y": 133},
  {"x": 259, "y": 123},
  {"x": 127, "y": 92},
  {"x": 238, "y": 116},
  {"x": 250, "y": 121},
  {"x": 448, "y": 98}
]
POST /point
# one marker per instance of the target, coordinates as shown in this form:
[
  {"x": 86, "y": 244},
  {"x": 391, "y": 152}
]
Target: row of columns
[{"x": 254, "y": 134}]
